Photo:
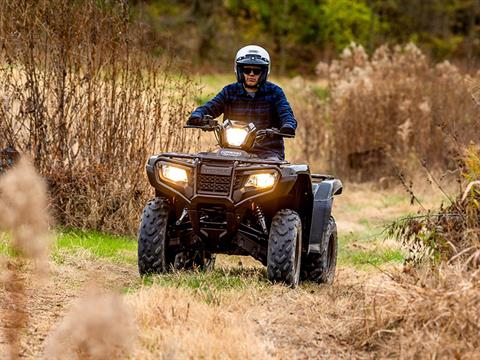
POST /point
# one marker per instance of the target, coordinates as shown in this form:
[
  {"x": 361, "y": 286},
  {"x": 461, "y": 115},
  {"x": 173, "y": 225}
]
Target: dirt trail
[
  {"x": 48, "y": 300},
  {"x": 309, "y": 322}
]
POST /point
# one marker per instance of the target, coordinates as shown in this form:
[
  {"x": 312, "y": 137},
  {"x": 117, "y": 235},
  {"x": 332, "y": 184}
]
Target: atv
[{"x": 232, "y": 202}]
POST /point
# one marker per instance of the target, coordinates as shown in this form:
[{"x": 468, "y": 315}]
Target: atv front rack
[{"x": 225, "y": 159}]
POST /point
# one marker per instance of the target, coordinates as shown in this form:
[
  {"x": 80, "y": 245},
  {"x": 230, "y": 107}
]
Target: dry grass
[
  {"x": 98, "y": 326},
  {"x": 393, "y": 111},
  {"x": 432, "y": 309},
  {"x": 173, "y": 324},
  {"x": 24, "y": 215},
  {"x": 451, "y": 233},
  {"x": 423, "y": 315}
]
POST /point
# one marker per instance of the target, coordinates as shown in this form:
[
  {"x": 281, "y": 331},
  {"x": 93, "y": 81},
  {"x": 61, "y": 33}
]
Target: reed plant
[{"x": 395, "y": 110}]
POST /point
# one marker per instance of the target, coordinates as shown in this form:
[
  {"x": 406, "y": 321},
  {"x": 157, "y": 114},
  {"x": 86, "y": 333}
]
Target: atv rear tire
[
  {"x": 285, "y": 248},
  {"x": 153, "y": 257},
  {"x": 320, "y": 268}
]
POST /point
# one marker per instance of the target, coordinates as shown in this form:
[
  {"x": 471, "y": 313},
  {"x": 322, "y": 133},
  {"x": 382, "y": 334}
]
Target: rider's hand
[
  {"x": 195, "y": 121},
  {"x": 287, "y": 130}
]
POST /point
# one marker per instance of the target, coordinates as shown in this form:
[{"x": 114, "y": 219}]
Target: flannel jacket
[{"x": 267, "y": 108}]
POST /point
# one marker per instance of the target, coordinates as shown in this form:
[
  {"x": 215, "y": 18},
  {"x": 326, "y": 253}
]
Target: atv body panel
[{"x": 216, "y": 208}]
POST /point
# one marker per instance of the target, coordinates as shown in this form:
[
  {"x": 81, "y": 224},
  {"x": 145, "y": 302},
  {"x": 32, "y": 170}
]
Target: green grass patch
[
  {"x": 209, "y": 285},
  {"x": 117, "y": 248},
  {"x": 360, "y": 249},
  {"x": 5, "y": 247},
  {"x": 394, "y": 200},
  {"x": 376, "y": 257}
]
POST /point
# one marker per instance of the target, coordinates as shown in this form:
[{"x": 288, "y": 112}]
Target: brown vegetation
[
  {"x": 425, "y": 314},
  {"x": 176, "y": 325},
  {"x": 452, "y": 233},
  {"x": 390, "y": 112},
  {"x": 81, "y": 93},
  {"x": 432, "y": 308}
]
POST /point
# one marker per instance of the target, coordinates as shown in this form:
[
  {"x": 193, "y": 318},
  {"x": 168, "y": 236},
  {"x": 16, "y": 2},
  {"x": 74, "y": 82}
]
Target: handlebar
[
  {"x": 211, "y": 125},
  {"x": 273, "y": 132}
]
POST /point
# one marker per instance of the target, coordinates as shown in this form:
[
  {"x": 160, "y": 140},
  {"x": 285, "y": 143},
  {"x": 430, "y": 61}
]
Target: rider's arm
[
  {"x": 285, "y": 112},
  {"x": 214, "y": 107}
]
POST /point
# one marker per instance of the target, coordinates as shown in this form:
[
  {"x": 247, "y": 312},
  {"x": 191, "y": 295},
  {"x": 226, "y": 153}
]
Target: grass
[
  {"x": 209, "y": 285},
  {"x": 361, "y": 249},
  {"x": 116, "y": 248},
  {"x": 5, "y": 248}
]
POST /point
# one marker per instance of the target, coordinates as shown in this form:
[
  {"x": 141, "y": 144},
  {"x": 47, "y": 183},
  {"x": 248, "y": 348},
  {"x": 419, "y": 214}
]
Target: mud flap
[{"x": 322, "y": 208}]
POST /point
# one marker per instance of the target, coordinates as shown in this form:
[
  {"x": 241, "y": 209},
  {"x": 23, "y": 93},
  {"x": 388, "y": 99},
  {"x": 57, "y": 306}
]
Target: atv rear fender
[{"x": 323, "y": 193}]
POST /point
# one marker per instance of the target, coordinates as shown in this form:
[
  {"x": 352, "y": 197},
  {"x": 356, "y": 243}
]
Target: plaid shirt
[{"x": 267, "y": 108}]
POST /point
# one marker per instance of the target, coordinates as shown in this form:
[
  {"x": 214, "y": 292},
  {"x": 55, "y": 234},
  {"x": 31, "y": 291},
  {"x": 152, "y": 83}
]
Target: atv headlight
[
  {"x": 262, "y": 181},
  {"x": 236, "y": 136},
  {"x": 174, "y": 173}
]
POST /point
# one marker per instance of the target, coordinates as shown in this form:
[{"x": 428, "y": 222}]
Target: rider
[{"x": 252, "y": 99}]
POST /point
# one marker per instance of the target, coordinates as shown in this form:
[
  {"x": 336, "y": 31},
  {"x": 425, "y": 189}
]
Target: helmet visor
[{"x": 253, "y": 60}]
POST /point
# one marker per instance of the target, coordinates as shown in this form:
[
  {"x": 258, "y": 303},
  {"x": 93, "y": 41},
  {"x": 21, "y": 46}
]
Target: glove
[
  {"x": 195, "y": 121},
  {"x": 287, "y": 130}
]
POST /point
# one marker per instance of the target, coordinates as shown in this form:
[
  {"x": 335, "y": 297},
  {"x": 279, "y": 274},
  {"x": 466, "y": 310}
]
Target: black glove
[
  {"x": 195, "y": 121},
  {"x": 287, "y": 130}
]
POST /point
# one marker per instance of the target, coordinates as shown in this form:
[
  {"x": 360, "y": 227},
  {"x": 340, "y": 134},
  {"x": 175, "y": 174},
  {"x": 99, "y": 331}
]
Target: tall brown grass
[
  {"x": 173, "y": 324},
  {"x": 421, "y": 315},
  {"x": 431, "y": 310},
  {"x": 99, "y": 325},
  {"x": 451, "y": 233},
  {"x": 81, "y": 92},
  {"x": 395, "y": 110}
]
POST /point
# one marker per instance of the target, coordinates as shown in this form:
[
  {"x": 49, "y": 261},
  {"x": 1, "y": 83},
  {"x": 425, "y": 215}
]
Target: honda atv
[{"x": 232, "y": 202}]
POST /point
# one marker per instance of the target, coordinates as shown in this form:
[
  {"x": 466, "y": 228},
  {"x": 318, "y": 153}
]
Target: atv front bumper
[{"x": 218, "y": 184}]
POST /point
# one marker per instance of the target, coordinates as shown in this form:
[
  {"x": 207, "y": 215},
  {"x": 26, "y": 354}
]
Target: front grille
[
  {"x": 218, "y": 183},
  {"x": 214, "y": 183}
]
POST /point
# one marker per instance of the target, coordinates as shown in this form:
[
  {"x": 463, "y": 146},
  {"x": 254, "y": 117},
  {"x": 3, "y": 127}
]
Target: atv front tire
[
  {"x": 285, "y": 248},
  {"x": 320, "y": 268},
  {"x": 153, "y": 257}
]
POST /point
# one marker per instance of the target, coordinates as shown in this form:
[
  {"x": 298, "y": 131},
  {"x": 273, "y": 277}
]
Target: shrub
[
  {"x": 80, "y": 91},
  {"x": 453, "y": 232}
]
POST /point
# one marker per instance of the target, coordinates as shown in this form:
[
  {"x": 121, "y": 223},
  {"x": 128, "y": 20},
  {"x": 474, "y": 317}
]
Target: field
[
  {"x": 87, "y": 95},
  {"x": 232, "y": 311}
]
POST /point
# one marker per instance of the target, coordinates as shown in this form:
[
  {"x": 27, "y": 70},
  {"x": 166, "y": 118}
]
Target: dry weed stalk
[
  {"x": 452, "y": 233},
  {"x": 24, "y": 216},
  {"x": 80, "y": 91},
  {"x": 98, "y": 326}
]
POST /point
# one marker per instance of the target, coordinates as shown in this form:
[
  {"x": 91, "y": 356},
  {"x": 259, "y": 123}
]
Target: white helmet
[{"x": 252, "y": 55}]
